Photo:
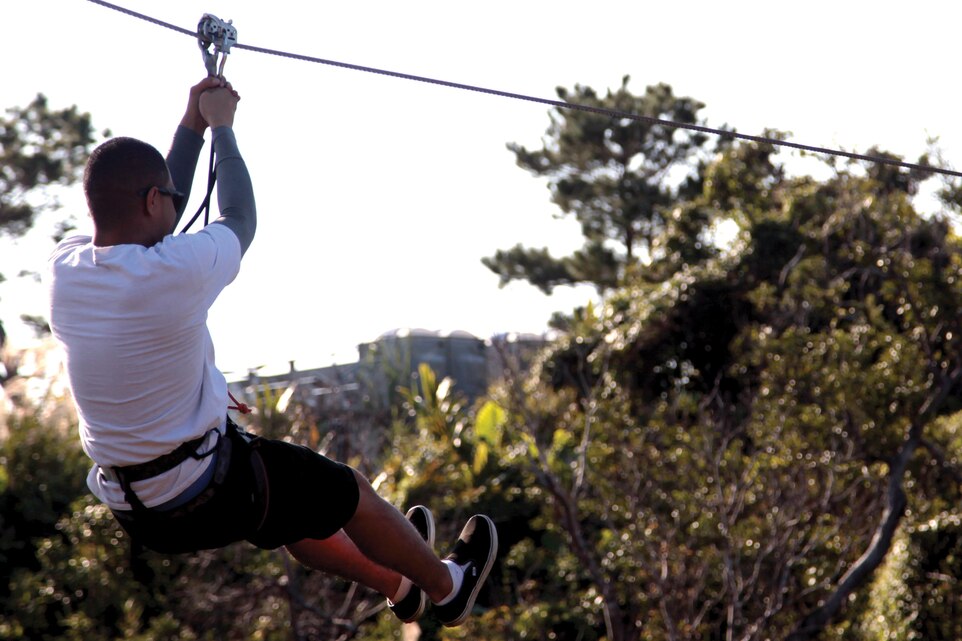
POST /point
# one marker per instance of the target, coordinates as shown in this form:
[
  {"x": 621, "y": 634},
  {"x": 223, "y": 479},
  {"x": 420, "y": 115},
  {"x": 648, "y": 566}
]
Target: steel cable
[{"x": 559, "y": 104}]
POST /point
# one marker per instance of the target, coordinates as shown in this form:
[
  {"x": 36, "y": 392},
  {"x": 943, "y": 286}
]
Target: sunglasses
[{"x": 176, "y": 196}]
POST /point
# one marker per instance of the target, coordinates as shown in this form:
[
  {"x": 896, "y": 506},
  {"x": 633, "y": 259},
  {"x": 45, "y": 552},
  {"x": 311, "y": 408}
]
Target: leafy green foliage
[
  {"x": 39, "y": 147},
  {"x": 42, "y": 472},
  {"x": 720, "y": 444},
  {"x": 620, "y": 178}
]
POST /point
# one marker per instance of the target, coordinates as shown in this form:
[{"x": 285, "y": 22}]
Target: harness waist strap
[{"x": 161, "y": 464}]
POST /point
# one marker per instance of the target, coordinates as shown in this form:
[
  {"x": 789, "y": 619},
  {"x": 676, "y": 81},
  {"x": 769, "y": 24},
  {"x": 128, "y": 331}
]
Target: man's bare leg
[
  {"x": 388, "y": 539},
  {"x": 338, "y": 555}
]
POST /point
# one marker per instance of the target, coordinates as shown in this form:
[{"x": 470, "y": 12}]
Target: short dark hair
[{"x": 115, "y": 172}]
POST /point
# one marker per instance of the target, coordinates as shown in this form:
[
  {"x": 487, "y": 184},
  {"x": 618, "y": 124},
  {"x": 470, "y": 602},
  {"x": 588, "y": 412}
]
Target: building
[{"x": 392, "y": 361}]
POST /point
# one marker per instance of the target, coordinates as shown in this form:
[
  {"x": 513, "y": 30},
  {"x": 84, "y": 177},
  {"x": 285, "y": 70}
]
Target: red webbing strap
[{"x": 240, "y": 407}]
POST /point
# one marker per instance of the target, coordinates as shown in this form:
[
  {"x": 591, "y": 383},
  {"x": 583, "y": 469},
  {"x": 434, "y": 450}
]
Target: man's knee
[{"x": 364, "y": 488}]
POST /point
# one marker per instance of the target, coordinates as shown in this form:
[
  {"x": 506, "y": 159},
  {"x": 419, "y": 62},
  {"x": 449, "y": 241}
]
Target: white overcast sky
[{"x": 377, "y": 197}]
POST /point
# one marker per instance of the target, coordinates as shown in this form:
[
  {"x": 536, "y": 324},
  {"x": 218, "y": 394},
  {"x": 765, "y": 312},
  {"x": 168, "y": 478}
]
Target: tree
[
  {"x": 39, "y": 148},
  {"x": 730, "y": 449},
  {"x": 619, "y": 177},
  {"x": 917, "y": 596}
]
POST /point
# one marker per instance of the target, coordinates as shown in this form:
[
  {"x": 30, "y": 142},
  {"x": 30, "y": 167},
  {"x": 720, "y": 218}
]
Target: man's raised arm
[
  {"x": 188, "y": 142},
  {"x": 235, "y": 194}
]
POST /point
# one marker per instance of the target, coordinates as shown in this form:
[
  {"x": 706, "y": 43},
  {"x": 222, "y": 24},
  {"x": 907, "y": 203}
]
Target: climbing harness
[
  {"x": 211, "y": 30},
  {"x": 129, "y": 474}
]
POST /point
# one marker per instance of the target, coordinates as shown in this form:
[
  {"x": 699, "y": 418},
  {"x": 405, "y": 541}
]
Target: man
[{"x": 129, "y": 307}]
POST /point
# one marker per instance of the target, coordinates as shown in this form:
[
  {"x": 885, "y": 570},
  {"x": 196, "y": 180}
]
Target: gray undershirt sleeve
[
  {"x": 235, "y": 194},
  {"x": 182, "y": 162}
]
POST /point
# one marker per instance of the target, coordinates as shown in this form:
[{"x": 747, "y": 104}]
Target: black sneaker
[
  {"x": 412, "y": 606},
  {"x": 475, "y": 552}
]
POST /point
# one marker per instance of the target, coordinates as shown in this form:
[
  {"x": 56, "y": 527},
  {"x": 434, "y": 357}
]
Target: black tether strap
[{"x": 205, "y": 206}]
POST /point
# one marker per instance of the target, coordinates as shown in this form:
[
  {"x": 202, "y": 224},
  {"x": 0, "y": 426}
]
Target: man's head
[{"x": 128, "y": 187}]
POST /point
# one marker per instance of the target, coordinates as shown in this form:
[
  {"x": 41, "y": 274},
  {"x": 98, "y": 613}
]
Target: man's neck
[{"x": 111, "y": 238}]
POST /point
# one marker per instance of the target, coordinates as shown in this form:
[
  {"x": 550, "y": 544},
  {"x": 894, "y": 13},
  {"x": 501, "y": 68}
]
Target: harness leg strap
[{"x": 129, "y": 495}]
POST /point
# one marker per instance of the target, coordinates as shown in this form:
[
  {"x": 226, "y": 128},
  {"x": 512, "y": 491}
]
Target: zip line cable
[{"x": 556, "y": 103}]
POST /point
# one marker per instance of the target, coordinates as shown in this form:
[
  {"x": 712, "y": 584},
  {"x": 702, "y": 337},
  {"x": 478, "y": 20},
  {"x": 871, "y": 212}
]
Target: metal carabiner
[{"x": 211, "y": 30}]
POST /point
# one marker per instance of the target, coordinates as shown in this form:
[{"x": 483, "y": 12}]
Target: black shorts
[{"x": 269, "y": 492}]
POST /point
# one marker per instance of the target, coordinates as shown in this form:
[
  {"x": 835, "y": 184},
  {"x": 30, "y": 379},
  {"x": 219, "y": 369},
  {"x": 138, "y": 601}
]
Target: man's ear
[{"x": 152, "y": 202}]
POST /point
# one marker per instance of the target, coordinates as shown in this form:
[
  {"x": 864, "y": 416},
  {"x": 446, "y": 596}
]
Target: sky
[{"x": 377, "y": 197}]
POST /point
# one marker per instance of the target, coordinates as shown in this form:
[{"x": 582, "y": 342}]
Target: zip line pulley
[{"x": 212, "y": 31}]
